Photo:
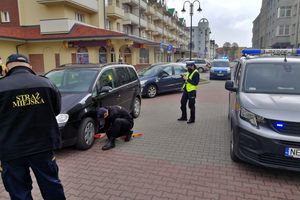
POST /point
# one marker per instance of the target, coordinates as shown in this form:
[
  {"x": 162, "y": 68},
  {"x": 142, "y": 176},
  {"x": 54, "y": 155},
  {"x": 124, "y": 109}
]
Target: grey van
[{"x": 264, "y": 111}]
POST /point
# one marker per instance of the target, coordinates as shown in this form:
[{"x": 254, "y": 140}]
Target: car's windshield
[
  {"x": 199, "y": 61},
  {"x": 220, "y": 64},
  {"x": 274, "y": 78},
  {"x": 73, "y": 80},
  {"x": 151, "y": 71}
]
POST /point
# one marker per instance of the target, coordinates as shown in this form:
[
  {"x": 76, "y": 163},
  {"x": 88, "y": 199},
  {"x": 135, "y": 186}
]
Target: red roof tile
[{"x": 34, "y": 33}]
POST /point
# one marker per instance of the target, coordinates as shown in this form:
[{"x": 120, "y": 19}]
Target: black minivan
[{"x": 84, "y": 88}]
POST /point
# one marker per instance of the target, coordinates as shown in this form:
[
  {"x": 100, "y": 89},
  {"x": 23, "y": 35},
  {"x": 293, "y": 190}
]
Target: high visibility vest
[{"x": 190, "y": 87}]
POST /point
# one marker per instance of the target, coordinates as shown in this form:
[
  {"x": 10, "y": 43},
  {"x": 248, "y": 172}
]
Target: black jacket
[
  {"x": 28, "y": 107},
  {"x": 114, "y": 113}
]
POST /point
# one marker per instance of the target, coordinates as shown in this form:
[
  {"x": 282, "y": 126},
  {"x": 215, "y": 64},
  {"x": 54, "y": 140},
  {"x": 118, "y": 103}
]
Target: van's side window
[
  {"x": 107, "y": 79},
  {"x": 237, "y": 74},
  {"x": 123, "y": 76},
  {"x": 132, "y": 74}
]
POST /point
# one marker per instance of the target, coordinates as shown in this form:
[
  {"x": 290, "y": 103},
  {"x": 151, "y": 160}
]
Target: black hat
[
  {"x": 17, "y": 58},
  {"x": 101, "y": 112}
]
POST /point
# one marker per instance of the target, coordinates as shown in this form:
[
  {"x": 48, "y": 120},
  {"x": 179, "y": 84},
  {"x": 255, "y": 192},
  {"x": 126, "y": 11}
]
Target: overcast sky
[{"x": 230, "y": 20}]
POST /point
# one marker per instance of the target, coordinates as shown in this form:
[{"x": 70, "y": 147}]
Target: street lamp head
[
  {"x": 183, "y": 10},
  {"x": 199, "y": 9}
]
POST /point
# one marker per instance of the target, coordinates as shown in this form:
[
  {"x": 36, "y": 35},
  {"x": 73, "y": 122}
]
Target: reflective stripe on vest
[{"x": 190, "y": 87}]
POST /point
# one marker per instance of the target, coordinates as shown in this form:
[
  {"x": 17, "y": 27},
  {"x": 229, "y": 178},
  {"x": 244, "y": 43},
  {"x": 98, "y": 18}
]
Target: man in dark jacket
[
  {"x": 118, "y": 122},
  {"x": 189, "y": 92},
  {"x": 29, "y": 131}
]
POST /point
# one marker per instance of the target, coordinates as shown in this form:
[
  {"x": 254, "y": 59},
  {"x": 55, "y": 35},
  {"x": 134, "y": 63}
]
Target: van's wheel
[
  {"x": 200, "y": 70},
  {"x": 151, "y": 91},
  {"x": 233, "y": 156},
  {"x": 136, "y": 110},
  {"x": 86, "y": 134}
]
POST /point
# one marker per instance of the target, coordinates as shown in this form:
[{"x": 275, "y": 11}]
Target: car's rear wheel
[
  {"x": 200, "y": 70},
  {"x": 233, "y": 156},
  {"x": 86, "y": 134},
  {"x": 136, "y": 110},
  {"x": 151, "y": 91}
]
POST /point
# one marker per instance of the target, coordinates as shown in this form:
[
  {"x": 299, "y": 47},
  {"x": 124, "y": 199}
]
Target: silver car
[{"x": 264, "y": 112}]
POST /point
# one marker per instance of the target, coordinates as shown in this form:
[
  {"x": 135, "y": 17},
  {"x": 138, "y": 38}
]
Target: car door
[
  {"x": 233, "y": 95},
  {"x": 165, "y": 79},
  {"x": 124, "y": 87},
  {"x": 106, "y": 78},
  {"x": 179, "y": 72}
]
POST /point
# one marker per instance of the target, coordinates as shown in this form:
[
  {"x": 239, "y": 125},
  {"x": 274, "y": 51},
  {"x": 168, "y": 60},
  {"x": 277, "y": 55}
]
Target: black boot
[
  {"x": 182, "y": 119},
  {"x": 109, "y": 144},
  {"x": 128, "y": 136},
  {"x": 191, "y": 121}
]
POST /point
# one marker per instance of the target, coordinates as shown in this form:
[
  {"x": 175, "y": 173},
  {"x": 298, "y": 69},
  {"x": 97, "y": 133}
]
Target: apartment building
[
  {"x": 55, "y": 32},
  {"x": 201, "y": 39},
  {"x": 277, "y": 25}
]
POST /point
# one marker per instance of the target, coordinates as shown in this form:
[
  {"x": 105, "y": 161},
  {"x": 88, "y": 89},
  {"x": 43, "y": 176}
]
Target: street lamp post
[{"x": 191, "y": 14}]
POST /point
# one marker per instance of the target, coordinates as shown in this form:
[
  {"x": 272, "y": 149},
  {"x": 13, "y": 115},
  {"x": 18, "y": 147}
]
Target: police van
[{"x": 264, "y": 108}]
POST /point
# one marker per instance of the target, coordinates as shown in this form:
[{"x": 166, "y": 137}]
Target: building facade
[
  {"x": 56, "y": 32},
  {"x": 201, "y": 39},
  {"x": 277, "y": 25}
]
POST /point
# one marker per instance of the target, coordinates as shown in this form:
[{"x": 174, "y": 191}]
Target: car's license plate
[
  {"x": 292, "y": 152},
  {"x": 220, "y": 74}
]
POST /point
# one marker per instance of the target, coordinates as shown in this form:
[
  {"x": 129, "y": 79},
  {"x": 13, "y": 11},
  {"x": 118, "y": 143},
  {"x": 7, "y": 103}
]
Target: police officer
[
  {"x": 118, "y": 122},
  {"x": 189, "y": 92},
  {"x": 29, "y": 131}
]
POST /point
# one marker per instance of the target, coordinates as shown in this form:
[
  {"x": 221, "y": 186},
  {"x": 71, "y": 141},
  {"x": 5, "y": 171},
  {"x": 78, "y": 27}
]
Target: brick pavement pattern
[{"x": 172, "y": 160}]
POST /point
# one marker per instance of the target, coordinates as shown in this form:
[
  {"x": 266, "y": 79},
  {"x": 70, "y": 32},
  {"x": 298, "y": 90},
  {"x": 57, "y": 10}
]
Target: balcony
[
  {"x": 131, "y": 2},
  {"x": 159, "y": 30},
  {"x": 144, "y": 23},
  {"x": 90, "y": 6},
  {"x": 150, "y": 10},
  {"x": 130, "y": 18},
  {"x": 157, "y": 16},
  {"x": 144, "y": 5},
  {"x": 151, "y": 27},
  {"x": 56, "y": 26},
  {"x": 114, "y": 12}
]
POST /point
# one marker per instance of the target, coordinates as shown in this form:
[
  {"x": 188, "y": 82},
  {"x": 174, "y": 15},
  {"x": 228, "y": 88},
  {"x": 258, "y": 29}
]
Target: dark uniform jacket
[
  {"x": 114, "y": 113},
  {"x": 28, "y": 107}
]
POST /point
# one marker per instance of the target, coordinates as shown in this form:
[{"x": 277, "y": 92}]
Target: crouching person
[{"x": 118, "y": 122}]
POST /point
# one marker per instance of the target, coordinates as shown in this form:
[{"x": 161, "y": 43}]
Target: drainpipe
[{"x": 18, "y": 45}]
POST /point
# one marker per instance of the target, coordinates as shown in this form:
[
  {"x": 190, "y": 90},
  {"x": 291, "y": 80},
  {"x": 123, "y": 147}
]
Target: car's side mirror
[
  {"x": 105, "y": 89},
  {"x": 229, "y": 85}
]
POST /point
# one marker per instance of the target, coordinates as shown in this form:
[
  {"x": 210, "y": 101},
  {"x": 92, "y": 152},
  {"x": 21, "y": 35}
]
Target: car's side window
[
  {"x": 237, "y": 75},
  {"x": 132, "y": 74},
  {"x": 179, "y": 70},
  {"x": 168, "y": 70},
  {"x": 107, "y": 78},
  {"x": 123, "y": 76}
]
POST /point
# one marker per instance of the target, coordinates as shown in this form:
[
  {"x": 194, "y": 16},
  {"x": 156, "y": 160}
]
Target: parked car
[
  {"x": 264, "y": 110},
  {"x": 84, "y": 88},
  {"x": 162, "y": 78},
  {"x": 220, "y": 69},
  {"x": 201, "y": 64}
]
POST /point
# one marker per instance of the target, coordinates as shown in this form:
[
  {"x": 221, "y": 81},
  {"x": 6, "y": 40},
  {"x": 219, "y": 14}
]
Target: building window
[
  {"x": 108, "y": 25},
  {"x": 284, "y": 11},
  {"x": 102, "y": 55},
  {"x": 82, "y": 56},
  {"x": 79, "y": 17},
  {"x": 5, "y": 17},
  {"x": 144, "y": 55},
  {"x": 118, "y": 27},
  {"x": 283, "y": 30}
]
